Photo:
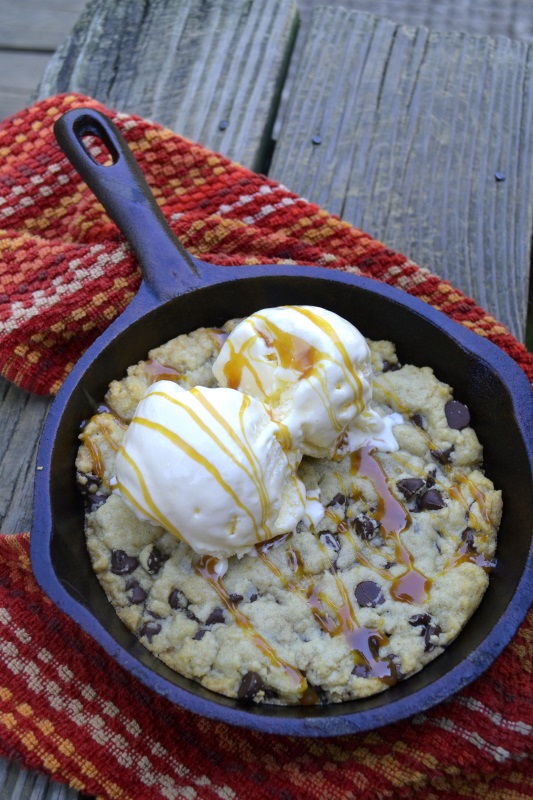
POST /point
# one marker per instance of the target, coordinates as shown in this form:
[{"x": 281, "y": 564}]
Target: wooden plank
[
  {"x": 20, "y": 73},
  {"x": 22, "y": 417},
  {"x": 211, "y": 71},
  {"x": 28, "y": 25},
  {"x": 425, "y": 141},
  {"x": 17, "y": 783}
]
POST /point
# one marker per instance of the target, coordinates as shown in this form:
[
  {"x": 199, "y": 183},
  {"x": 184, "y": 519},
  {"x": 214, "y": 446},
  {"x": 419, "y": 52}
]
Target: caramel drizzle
[
  {"x": 218, "y": 336},
  {"x": 412, "y": 586},
  {"x": 293, "y": 352},
  {"x": 334, "y": 619},
  {"x": 94, "y": 451},
  {"x": 465, "y": 554},
  {"x": 206, "y": 567},
  {"x": 456, "y": 492},
  {"x": 156, "y": 371}
]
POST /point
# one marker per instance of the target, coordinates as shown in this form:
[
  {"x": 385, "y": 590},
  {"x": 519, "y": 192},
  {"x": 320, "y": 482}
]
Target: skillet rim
[{"x": 340, "y": 724}]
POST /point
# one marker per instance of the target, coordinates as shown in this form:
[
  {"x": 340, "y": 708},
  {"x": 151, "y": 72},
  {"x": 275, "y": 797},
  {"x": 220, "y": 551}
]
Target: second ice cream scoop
[{"x": 309, "y": 365}]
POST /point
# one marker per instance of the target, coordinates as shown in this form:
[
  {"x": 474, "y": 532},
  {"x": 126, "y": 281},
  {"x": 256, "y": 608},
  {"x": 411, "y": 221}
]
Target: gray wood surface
[
  {"x": 39, "y": 26},
  {"x": 211, "y": 70},
  {"x": 30, "y": 31},
  {"x": 415, "y": 130}
]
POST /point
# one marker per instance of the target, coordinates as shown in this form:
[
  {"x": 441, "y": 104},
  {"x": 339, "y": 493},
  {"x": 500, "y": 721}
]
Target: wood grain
[
  {"x": 426, "y": 142},
  {"x": 212, "y": 71},
  {"x": 37, "y": 26}
]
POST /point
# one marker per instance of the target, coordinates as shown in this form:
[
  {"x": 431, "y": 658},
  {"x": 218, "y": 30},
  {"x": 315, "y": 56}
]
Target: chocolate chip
[
  {"x": 420, "y": 619},
  {"x": 236, "y": 598},
  {"x": 365, "y": 527},
  {"x": 253, "y": 597},
  {"x": 338, "y": 500},
  {"x": 362, "y": 671},
  {"x": 368, "y": 594},
  {"x": 331, "y": 540},
  {"x": 122, "y": 563},
  {"x": 431, "y": 478},
  {"x": 149, "y": 629},
  {"x": 155, "y": 561},
  {"x": 216, "y": 615},
  {"x": 250, "y": 686},
  {"x": 138, "y": 595},
  {"x": 457, "y": 415},
  {"x": 409, "y": 487},
  {"x": 418, "y": 420},
  {"x": 388, "y": 366},
  {"x": 429, "y": 629},
  {"x": 443, "y": 456},
  {"x": 431, "y": 501},
  {"x": 390, "y": 564},
  {"x": 468, "y": 537},
  {"x": 177, "y": 599},
  {"x": 190, "y": 615},
  {"x": 199, "y": 634}
]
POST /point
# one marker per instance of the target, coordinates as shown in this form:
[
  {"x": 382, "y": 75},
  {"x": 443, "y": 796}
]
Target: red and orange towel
[{"x": 65, "y": 707}]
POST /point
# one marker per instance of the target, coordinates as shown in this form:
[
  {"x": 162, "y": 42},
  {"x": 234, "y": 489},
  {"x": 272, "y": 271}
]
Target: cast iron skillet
[{"x": 180, "y": 293}]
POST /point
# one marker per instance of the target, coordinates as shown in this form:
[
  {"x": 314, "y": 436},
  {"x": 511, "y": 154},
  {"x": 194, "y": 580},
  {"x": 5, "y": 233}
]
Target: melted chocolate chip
[
  {"x": 177, "y": 599},
  {"x": 431, "y": 501},
  {"x": 365, "y": 527},
  {"x": 418, "y": 420},
  {"x": 420, "y": 619},
  {"x": 216, "y": 615},
  {"x": 429, "y": 629},
  {"x": 199, "y": 634},
  {"x": 149, "y": 629},
  {"x": 338, "y": 500},
  {"x": 138, "y": 595},
  {"x": 468, "y": 537},
  {"x": 362, "y": 671},
  {"x": 388, "y": 366},
  {"x": 390, "y": 564},
  {"x": 331, "y": 540},
  {"x": 251, "y": 685},
  {"x": 236, "y": 598},
  {"x": 431, "y": 478},
  {"x": 368, "y": 594},
  {"x": 155, "y": 561},
  {"x": 409, "y": 487},
  {"x": 457, "y": 415},
  {"x": 443, "y": 456},
  {"x": 122, "y": 563}
]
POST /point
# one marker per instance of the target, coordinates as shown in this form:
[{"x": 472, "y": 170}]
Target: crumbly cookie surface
[{"x": 386, "y": 581}]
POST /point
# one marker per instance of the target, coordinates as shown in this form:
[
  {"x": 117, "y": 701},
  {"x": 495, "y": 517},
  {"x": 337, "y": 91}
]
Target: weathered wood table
[{"x": 425, "y": 140}]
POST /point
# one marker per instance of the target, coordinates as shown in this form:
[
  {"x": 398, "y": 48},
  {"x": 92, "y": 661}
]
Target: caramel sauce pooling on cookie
[{"x": 412, "y": 586}]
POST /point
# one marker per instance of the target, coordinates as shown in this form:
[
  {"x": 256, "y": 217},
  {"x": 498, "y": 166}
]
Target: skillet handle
[{"x": 121, "y": 187}]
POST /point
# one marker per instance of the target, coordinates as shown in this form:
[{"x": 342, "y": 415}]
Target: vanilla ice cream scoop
[
  {"x": 310, "y": 366},
  {"x": 206, "y": 465}
]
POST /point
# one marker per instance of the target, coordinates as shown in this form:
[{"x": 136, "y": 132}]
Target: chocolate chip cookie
[{"x": 375, "y": 591}]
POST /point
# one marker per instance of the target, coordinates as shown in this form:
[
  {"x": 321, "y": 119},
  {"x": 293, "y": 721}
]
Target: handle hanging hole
[{"x": 97, "y": 150}]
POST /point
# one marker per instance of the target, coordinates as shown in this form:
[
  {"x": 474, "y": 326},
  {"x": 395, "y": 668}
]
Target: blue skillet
[{"x": 179, "y": 293}]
